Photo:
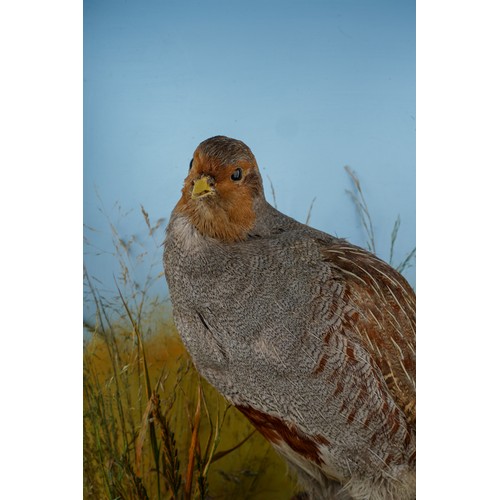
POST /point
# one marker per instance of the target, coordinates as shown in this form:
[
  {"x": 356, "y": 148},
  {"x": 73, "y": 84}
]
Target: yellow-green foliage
[
  {"x": 153, "y": 429},
  {"x": 179, "y": 418}
]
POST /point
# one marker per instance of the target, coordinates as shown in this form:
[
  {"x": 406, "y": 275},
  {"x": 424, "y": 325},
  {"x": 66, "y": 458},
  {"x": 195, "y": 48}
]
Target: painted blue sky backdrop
[{"x": 310, "y": 86}]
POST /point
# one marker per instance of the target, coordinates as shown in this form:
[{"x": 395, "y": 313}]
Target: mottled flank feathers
[{"x": 310, "y": 337}]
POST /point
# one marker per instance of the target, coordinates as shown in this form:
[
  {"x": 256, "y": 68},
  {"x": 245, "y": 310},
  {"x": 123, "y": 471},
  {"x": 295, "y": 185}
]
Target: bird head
[{"x": 220, "y": 189}]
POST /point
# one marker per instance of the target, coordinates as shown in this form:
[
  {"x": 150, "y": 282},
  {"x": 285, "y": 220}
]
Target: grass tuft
[
  {"x": 359, "y": 201},
  {"x": 153, "y": 429}
]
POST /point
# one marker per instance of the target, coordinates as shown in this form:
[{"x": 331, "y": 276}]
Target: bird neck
[{"x": 227, "y": 222}]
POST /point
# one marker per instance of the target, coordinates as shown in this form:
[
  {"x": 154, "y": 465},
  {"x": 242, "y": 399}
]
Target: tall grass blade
[
  {"x": 152, "y": 432},
  {"x": 194, "y": 445},
  {"x": 309, "y": 212},
  {"x": 394, "y": 236},
  {"x": 360, "y": 202}
]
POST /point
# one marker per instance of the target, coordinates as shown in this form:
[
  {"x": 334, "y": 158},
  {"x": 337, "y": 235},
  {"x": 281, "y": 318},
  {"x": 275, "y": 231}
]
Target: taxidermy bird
[{"x": 310, "y": 337}]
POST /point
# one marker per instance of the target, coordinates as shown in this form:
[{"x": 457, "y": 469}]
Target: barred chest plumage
[
  {"x": 312, "y": 338},
  {"x": 247, "y": 318},
  {"x": 235, "y": 291}
]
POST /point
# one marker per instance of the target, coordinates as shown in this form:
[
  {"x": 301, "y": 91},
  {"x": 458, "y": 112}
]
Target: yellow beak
[{"x": 202, "y": 188}]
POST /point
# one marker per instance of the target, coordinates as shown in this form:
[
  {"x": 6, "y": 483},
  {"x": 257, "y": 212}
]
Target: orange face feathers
[{"x": 220, "y": 189}]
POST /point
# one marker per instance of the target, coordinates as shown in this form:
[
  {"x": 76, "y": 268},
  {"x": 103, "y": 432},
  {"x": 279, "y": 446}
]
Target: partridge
[{"x": 310, "y": 337}]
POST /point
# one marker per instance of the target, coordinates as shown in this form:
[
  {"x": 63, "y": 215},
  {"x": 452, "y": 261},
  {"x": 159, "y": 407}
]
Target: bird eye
[
  {"x": 191, "y": 163},
  {"x": 236, "y": 175}
]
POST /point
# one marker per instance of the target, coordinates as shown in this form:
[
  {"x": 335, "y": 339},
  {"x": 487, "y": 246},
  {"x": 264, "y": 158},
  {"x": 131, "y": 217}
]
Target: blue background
[{"x": 310, "y": 86}]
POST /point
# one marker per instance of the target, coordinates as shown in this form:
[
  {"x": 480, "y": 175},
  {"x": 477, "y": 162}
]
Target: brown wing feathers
[{"x": 382, "y": 306}]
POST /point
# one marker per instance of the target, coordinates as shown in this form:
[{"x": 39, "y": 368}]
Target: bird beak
[{"x": 202, "y": 187}]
